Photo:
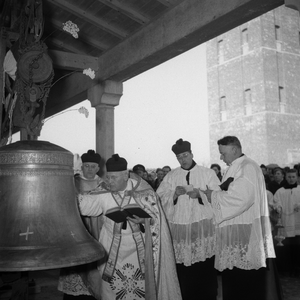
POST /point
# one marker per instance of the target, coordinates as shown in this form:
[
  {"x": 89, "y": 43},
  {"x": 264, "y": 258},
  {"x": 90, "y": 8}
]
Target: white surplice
[
  {"x": 289, "y": 201},
  {"x": 192, "y": 224},
  {"x": 244, "y": 238}
]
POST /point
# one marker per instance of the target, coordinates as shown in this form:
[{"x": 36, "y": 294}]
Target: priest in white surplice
[
  {"x": 287, "y": 202},
  {"x": 244, "y": 240},
  {"x": 191, "y": 221}
]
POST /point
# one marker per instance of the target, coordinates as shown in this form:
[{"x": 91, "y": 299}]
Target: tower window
[
  {"x": 281, "y": 94},
  {"x": 221, "y": 51},
  {"x": 247, "y": 102},
  {"x": 245, "y": 41},
  {"x": 278, "y": 37},
  {"x": 277, "y": 32},
  {"x": 223, "y": 108},
  {"x": 282, "y": 99}
]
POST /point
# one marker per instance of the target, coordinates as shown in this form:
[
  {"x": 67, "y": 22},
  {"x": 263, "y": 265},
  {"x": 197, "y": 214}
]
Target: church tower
[{"x": 253, "y": 74}]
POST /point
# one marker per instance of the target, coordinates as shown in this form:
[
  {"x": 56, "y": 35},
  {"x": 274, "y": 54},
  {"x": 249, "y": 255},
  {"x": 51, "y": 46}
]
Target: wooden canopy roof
[{"x": 120, "y": 39}]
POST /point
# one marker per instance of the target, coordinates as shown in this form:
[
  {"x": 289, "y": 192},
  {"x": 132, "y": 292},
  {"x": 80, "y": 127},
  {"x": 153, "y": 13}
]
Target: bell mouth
[{"x": 16, "y": 259}]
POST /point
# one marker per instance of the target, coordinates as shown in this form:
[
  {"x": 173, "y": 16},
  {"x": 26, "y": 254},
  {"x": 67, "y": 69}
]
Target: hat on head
[
  {"x": 116, "y": 164},
  {"x": 138, "y": 168},
  {"x": 181, "y": 146},
  {"x": 91, "y": 156}
]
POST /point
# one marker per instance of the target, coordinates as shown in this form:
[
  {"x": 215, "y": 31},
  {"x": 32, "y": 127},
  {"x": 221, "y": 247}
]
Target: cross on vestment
[{"x": 110, "y": 263}]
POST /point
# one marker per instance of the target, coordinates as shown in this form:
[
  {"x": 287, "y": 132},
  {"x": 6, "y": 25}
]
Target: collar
[
  {"x": 239, "y": 159},
  {"x": 290, "y": 186},
  {"x": 84, "y": 178},
  {"x": 191, "y": 167}
]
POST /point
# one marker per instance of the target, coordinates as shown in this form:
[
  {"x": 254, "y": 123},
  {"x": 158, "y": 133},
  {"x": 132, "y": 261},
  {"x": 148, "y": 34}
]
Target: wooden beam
[
  {"x": 126, "y": 10},
  {"x": 187, "y": 25},
  {"x": 93, "y": 42},
  {"x": 169, "y": 3},
  {"x": 87, "y": 17},
  {"x": 62, "y": 45},
  {"x": 71, "y": 61}
]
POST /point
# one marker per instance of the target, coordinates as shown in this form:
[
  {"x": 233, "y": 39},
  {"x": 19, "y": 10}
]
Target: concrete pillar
[{"x": 104, "y": 97}]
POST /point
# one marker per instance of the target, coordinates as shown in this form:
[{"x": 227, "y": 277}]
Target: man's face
[
  {"x": 185, "y": 159},
  {"x": 264, "y": 170},
  {"x": 160, "y": 175},
  {"x": 166, "y": 171},
  {"x": 227, "y": 153},
  {"x": 291, "y": 178},
  {"x": 117, "y": 181},
  {"x": 89, "y": 169},
  {"x": 216, "y": 170},
  {"x": 278, "y": 176},
  {"x": 140, "y": 173}
]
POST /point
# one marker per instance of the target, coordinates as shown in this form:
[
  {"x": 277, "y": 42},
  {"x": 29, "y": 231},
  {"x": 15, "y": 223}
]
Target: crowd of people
[
  {"x": 153, "y": 178},
  {"x": 283, "y": 191},
  {"x": 201, "y": 225}
]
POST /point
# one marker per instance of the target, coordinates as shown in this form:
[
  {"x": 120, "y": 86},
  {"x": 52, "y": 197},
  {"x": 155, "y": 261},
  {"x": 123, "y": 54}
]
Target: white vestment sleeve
[
  {"x": 277, "y": 200},
  {"x": 166, "y": 194},
  {"x": 90, "y": 205},
  {"x": 239, "y": 196}
]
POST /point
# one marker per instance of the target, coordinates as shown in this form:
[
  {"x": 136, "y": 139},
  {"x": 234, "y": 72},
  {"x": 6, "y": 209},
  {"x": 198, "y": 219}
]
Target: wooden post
[{"x": 2, "y": 74}]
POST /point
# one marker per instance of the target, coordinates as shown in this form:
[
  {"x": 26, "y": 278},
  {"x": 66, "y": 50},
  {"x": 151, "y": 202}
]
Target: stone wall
[{"x": 253, "y": 87}]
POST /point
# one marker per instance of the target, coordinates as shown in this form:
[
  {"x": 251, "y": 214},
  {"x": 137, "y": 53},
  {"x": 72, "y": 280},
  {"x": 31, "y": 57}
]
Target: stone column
[{"x": 104, "y": 97}]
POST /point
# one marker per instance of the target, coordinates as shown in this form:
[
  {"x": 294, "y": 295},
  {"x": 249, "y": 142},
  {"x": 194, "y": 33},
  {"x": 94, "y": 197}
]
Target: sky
[{"x": 157, "y": 108}]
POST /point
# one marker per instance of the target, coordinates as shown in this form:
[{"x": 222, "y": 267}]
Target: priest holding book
[{"x": 140, "y": 261}]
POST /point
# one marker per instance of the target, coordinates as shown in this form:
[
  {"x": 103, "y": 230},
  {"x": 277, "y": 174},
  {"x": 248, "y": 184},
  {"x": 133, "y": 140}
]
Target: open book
[{"x": 119, "y": 214}]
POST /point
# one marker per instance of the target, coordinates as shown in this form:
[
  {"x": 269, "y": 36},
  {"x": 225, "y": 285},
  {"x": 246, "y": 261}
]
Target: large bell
[{"x": 40, "y": 225}]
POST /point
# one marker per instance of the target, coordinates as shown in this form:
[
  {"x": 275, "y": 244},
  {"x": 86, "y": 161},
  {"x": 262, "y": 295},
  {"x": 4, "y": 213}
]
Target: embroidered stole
[{"x": 117, "y": 236}]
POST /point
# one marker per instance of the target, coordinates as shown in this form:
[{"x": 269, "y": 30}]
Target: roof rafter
[
  {"x": 63, "y": 45},
  {"x": 168, "y": 3},
  {"x": 71, "y": 61},
  {"x": 84, "y": 38},
  {"x": 87, "y": 17},
  {"x": 125, "y": 10}
]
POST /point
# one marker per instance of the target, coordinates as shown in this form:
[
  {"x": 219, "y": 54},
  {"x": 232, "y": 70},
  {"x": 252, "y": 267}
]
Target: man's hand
[
  {"x": 208, "y": 194},
  {"x": 180, "y": 190},
  {"x": 194, "y": 194},
  {"x": 136, "y": 219}
]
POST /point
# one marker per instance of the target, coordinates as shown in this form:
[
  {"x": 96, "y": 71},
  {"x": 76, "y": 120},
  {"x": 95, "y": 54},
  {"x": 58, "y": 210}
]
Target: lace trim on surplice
[
  {"x": 245, "y": 246},
  {"x": 193, "y": 242}
]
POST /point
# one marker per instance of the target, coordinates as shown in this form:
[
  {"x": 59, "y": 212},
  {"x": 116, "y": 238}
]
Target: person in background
[
  {"x": 71, "y": 280},
  {"x": 217, "y": 169},
  {"x": 139, "y": 170},
  {"x": 140, "y": 260},
  {"x": 297, "y": 167},
  {"x": 278, "y": 182},
  {"x": 264, "y": 170},
  {"x": 142, "y": 172},
  {"x": 191, "y": 222},
  {"x": 159, "y": 178},
  {"x": 166, "y": 170},
  {"x": 244, "y": 246},
  {"x": 287, "y": 201}
]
